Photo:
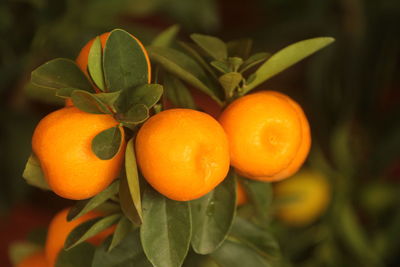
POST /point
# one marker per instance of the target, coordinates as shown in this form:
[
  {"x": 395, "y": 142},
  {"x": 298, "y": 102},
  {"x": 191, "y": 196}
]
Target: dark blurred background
[{"x": 350, "y": 92}]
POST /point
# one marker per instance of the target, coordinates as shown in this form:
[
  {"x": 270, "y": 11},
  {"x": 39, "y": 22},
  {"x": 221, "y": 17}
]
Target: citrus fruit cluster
[{"x": 117, "y": 127}]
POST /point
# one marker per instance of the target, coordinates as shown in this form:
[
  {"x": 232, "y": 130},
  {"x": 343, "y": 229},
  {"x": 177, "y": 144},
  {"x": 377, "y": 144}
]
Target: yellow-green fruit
[{"x": 303, "y": 198}]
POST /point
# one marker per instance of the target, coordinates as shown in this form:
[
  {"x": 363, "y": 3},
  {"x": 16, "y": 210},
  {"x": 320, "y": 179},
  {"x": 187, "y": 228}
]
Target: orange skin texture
[
  {"x": 82, "y": 59},
  {"x": 60, "y": 228},
  {"x": 62, "y": 142},
  {"x": 268, "y": 134},
  {"x": 182, "y": 153},
  {"x": 241, "y": 195},
  {"x": 37, "y": 259}
]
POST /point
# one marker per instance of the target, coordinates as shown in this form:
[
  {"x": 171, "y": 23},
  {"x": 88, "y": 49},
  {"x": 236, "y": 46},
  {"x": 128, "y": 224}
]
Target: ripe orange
[
  {"x": 268, "y": 133},
  {"x": 241, "y": 194},
  {"x": 302, "y": 198},
  {"x": 60, "y": 228},
  {"x": 36, "y": 259},
  {"x": 182, "y": 153},
  {"x": 62, "y": 142}
]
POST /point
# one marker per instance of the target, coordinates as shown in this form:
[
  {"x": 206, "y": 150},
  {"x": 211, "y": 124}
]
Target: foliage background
[{"x": 350, "y": 91}]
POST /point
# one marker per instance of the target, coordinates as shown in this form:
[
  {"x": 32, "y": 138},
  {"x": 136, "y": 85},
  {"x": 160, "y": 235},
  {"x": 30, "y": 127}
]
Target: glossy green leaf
[
  {"x": 223, "y": 67},
  {"x": 132, "y": 176},
  {"x": 178, "y": 93},
  {"x": 125, "y": 62},
  {"x": 128, "y": 253},
  {"x": 230, "y": 81},
  {"x": 147, "y": 94},
  {"x": 166, "y": 229},
  {"x": 88, "y": 102},
  {"x": 60, "y": 73},
  {"x": 107, "y": 143},
  {"x": 108, "y": 98},
  {"x": 240, "y": 48},
  {"x": 33, "y": 173},
  {"x": 253, "y": 61},
  {"x": 257, "y": 238},
  {"x": 235, "y": 254},
  {"x": 185, "y": 68},
  {"x": 65, "y": 92},
  {"x": 192, "y": 51},
  {"x": 79, "y": 256},
  {"x": 126, "y": 201},
  {"x": 213, "y": 46},
  {"x": 260, "y": 195},
  {"x": 84, "y": 206},
  {"x": 124, "y": 226},
  {"x": 212, "y": 216},
  {"x": 95, "y": 64},
  {"x": 287, "y": 57},
  {"x": 89, "y": 229},
  {"x": 166, "y": 37},
  {"x": 135, "y": 115}
]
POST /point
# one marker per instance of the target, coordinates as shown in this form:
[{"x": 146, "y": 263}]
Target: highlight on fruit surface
[
  {"x": 60, "y": 228},
  {"x": 62, "y": 142},
  {"x": 182, "y": 153},
  {"x": 302, "y": 198},
  {"x": 269, "y": 135}
]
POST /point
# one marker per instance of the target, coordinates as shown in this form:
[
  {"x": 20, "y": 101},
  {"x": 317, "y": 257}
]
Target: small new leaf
[
  {"x": 213, "y": 46},
  {"x": 95, "y": 64},
  {"x": 240, "y": 48},
  {"x": 254, "y": 60},
  {"x": 33, "y": 173},
  {"x": 107, "y": 143},
  {"x": 230, "y": 81},
  {"x": 221, "y": 66}
]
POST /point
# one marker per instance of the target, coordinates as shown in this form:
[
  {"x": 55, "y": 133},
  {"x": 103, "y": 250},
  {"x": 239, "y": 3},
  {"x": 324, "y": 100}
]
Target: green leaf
[
  {"x": 230, "y": 81},
  {"x": 126, "y": 201},
  {"x": 132, "y": 176},
  {"x": 254, "y": 60},
  {"x": 212, "y": 216},
  {"x": 124, "y": 226},
  {"x": 128, "y": 253},
  {"x": 287, "y": 57},
  {"x": 223, "y": 67},
  {"x": 19, "y": 250},
  {"x": 213, "y": 46},
  {"x": 107, "y": 143},
  {"x": 43, "y": 94},
  {"x": 89, "y": 229},
  {"x": 260, "y": 195},
  {"x": 147, "y": 94},
  {"x": 88, "y": 102},
  {"x": 257, "y": 238},
  {"x": 65, "y": 92},
  {"x": 166, "y": 37},
  {"x": 185, "y": 68},
  {"x": 33, "y": 173},
  {"x": 191, "y": 50},
  {"x": 135, "y": 115},
  {"x": 240, "y": 48},
  {"x": 60, "y": 73},
  {"x": 79, "y": 256},
  {"x": 108, "y": 98},
  {"x": 166, "y": 229},
  {"x": 84, "y": 206},
  {"x": 95, "y": 64},
  {"x": 234, "y": 254},
  {"x": 178, "y": 93},
  {"x": 125, "y": 62}
]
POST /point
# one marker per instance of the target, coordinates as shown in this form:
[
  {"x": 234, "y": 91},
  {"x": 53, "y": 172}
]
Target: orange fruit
[
  {"x": 268, "y": 133},
  {"x": 62, "y": 142},
  {"x": 60, "y": 228},
  {"x": 241, "y": 196},
  {"x": 182, "y": 153},
  {"x": 302, "y": 198},
  {"x": 36, "y": 259}
]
